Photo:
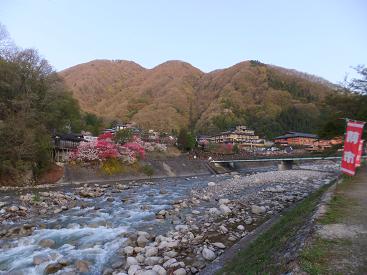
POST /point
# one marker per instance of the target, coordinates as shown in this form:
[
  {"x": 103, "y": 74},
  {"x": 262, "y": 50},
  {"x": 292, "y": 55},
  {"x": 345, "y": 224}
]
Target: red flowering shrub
[
  {"x": 137, "y": 148},
  {"x": 107, "y": 150},
  {"x": 106, "y": 136}
]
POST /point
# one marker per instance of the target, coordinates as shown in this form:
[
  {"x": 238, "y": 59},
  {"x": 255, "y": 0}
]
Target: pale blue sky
[{"x": 321, "y": 37}]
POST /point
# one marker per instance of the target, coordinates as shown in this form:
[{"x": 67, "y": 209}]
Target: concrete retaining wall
[{"x": 162, "y": 169}]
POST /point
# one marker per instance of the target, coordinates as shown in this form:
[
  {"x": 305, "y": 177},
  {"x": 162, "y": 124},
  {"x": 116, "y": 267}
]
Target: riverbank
[
  {"x": 275, "y": 245},
  {"x": 175, "y": 225}
]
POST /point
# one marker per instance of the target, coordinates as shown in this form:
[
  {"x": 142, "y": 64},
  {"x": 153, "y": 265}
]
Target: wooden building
[
  {"x": 296, "y": 139},
  {"x": 63, "y": 144}
]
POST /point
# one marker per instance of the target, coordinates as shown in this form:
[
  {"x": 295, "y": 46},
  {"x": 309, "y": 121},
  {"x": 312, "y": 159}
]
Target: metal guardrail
[{"x": 277, "y": 159}]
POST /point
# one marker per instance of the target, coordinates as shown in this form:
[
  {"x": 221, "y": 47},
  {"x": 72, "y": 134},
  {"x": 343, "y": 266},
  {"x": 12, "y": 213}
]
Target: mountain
[{"x": 175, "y": 94}]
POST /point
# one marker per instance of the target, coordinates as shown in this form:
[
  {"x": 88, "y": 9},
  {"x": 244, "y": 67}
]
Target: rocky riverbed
[{"x": 173, "y": 226}]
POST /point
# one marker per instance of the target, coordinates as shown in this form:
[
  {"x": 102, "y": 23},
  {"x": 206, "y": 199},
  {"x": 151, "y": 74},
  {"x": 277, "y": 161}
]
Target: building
[
  {"x": 240, "y": 135},
  {"x": 63, "y": 144},
  {"x": 296, "y": 139},
  {"x": 311, "y": 142},
  {"x": 122, "y": 127}
]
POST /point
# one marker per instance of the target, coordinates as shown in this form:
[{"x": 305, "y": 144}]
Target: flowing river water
[
  {"x": 94, "y": 230},
  {"x": 94, "y": 233}
]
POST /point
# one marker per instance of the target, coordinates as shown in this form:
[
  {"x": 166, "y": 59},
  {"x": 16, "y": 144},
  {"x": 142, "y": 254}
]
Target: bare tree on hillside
[
  {"x": 7, "y": 46},
  {"x": 359, "y": 85}
]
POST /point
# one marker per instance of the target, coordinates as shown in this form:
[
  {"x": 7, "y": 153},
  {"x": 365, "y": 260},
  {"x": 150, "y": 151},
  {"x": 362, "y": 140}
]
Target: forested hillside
[
  {"x": 176, "y": 95},
  {"x": 34, "y": 103}
]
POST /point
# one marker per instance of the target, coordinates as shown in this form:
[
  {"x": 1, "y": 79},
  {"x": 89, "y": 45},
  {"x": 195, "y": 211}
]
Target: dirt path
[{"x": 339, "y": 245}]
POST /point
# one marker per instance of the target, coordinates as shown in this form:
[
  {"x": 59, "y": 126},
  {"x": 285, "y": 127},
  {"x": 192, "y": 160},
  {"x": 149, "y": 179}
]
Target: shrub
[
  {"x": 123, "y": 136},
  {"x": 148, "y": 170},
  {"x": 112, "y": 166}
]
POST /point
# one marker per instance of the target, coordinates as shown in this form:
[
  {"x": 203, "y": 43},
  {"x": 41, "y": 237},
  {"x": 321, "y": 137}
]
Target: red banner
[
  {"x": 351, "y": 144},
  {"x": 359, "y": 155}
]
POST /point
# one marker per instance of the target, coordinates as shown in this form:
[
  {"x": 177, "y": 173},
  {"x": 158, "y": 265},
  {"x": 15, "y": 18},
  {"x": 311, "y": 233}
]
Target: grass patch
[
  {"x": 315, "y": 259},
  {"x": 336, "y": 210},
  {"x": 258, "y": 257},
  {"x": 339, "y": 204}
]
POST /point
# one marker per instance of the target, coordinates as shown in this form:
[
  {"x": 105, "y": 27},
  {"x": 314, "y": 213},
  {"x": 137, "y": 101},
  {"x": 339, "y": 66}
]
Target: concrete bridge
[{"x": 284, "y": 163}]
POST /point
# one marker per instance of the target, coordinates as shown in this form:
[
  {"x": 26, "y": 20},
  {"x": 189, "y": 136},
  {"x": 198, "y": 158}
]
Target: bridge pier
[{"x": 285, "y": 165}]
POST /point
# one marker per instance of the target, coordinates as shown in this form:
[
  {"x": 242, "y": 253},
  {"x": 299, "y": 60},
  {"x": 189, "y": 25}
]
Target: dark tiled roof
[
  {"x": 297, "y": 134},
  {"x": 70, "y": 137}
]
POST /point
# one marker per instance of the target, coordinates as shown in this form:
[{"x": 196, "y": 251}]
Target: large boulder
[
  {"x": 208, "y": 254},
  {"x": 225, "y": 209},
  {"x": 258, "y": 209}
]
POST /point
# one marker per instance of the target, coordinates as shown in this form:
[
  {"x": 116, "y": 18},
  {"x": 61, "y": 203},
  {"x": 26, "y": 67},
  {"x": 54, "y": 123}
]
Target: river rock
[
  {"x": 248, "y": 221},
  {"x": 151, "y": 251},
  {"x": 133, "y": 269},
  {"x": 195, "y": 212},
  {"x": 211, "y": 183},
  {"x": 128, "y": 250},
  {"x": 142, "y": 241},
  {"x": 223, "y": 229},
  {"x": 152, "y": 260},
  {"x": 169, "y": 262},
  {"x": 13, "y": 208},
  {"x": 53, "y": 268},
  {"x": 214, "y": 211},
  {"x": 47, "y": 243},
  {"x": 57, "y": 210},
  {"x": 107, "y": 271},
  {"x": 37, "y": 260},
  {"x": 219, "y": 245},
  {"x": 117, "y": 264},
  {"x": 241, "y": 227},
  {"x": 194, "y": 270},
  {"x": 225, "y": 209},
  {"x": 258, "y": 209},
  {"x": 130, "y": 261},
  {"x": 82, "y": 266},
  {"x": 148, "y": 272},
  {"x": 143, "y": 233},
  {"x": 224, "y": 201},
  {"x": 180, "y": 271},
  {"x": 170, "y": 254},
  {"x": 160, "y": 270},
  {"x": 138, "y": 249},
  {"x": 182, "y": 227},
  {"x": 208, "y": 254},
  {"x": 140, "y": 258}
]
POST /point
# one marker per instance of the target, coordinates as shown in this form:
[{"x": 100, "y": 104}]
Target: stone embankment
[{"x": 203, "y": 224}]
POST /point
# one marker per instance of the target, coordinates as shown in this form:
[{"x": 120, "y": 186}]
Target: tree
[
  {"x": 359, "y": 85},
  {"x": 123, "y": 136},
  {"x": 33, "y": 103},
  {"x": 92, "y": 123},
  {"x": 185, "y": 140},
  {"x": 235, "y": 148}
]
